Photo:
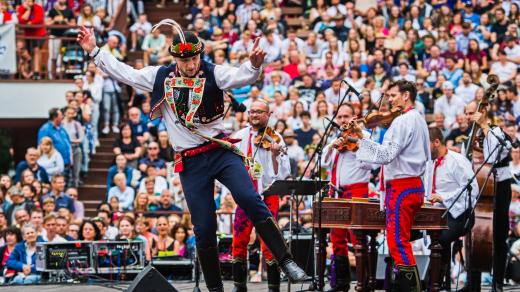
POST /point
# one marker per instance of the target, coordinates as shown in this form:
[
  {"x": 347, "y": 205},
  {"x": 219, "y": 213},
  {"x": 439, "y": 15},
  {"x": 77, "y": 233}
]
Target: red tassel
[{"x": 178, "y": 166}]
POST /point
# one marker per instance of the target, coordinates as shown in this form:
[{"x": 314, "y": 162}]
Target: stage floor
[{"x": 184, "y": 287}]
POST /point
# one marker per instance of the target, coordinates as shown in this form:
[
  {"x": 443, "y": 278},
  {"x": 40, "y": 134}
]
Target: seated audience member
[
  {"x": 11, "y": 236},
  {"x": 120, "y": 167},
  {"x": 127, "y": 145},
  {"x": 89, "y": 231},
  {"x": 124, "y": 193},
  {"x": 164, "y": 246},
  {"x": 180, "y": 235},
  {"x": 49, "y": 225},
  {"x": 23, "y": 258},
  {"x": 166, "y": 202}
]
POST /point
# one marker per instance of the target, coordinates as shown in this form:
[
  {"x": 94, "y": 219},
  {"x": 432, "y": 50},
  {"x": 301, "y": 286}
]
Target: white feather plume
[{"x": 174, "y": 25}]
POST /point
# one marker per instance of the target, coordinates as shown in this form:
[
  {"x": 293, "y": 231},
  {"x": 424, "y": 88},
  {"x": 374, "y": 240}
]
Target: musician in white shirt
[
  {"x": 266, "y": 166},
  {"x": 451, "y": 174},
  {"x": 497, "y": 146},
  {"x": 349, "y": 178},
  {"x": 403, "y": 153}
]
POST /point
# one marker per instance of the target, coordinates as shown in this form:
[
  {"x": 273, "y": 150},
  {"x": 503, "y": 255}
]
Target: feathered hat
[{"x": 184, "y": 44}]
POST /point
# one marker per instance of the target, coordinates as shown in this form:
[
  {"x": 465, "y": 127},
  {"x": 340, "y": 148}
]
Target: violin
[
  {"x": 266, "y": 139},
  {"x": 351, "y": 133}
]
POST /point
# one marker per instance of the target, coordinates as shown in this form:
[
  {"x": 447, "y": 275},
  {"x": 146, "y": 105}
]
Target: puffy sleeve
[
  {"x": 142, "y": 79},
  {"x": 228, "y": 77},
  {"x": 372, "y": 152}
]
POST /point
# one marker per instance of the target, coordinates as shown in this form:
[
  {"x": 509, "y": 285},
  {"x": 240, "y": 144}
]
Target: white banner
[{"x": 7, "y": 49}]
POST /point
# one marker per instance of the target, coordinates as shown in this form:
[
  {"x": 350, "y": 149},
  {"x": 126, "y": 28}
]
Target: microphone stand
[{"x": 319, "y": 285}]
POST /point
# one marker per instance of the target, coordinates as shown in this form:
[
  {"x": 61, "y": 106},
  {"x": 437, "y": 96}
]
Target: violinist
[
  {"x": 502, "y": 198},
  {"x": 268, "y": 162},
  {"x": 403, "y": 153},
  {"x": 349, "y": 178},
  {"x": 451, "y": 172}
]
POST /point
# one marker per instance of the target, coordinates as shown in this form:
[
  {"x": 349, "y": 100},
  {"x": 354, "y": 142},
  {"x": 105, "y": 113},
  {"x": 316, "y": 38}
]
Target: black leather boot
[
  {"x": 272, "y": 237},
  {"x": 342, "y": 267},
  {"x": 408, "y": 279},
  {"x": 239, "y": 275},
  {"x": 210, "y": 265},
  {"x": 273, "y": 277},
  {"x": 497, "y": 287}
]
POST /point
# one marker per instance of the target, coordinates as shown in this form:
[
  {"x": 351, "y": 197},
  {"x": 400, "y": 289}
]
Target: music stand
[{"x": 295, "y": 188}]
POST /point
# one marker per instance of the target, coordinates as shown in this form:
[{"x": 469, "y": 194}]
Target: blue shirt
[
  {"x": 112, "y": 171},
  {"x": 59, "y": 138},
  {"x": 61, "y": 201},
  {"x": 40, "y": 173},
  {"x": 138, "y": 129},
  {"x": 454, "y": 76}
]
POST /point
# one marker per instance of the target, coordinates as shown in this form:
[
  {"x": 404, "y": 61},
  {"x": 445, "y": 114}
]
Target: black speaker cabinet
[{"x": 150, "y": 280}]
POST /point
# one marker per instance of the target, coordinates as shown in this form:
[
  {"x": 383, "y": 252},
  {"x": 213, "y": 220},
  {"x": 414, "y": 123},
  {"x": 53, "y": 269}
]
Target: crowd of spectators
[{"x": 448, "y": 48}]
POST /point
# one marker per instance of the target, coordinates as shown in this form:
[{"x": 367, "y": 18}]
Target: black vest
[{"x": 212, "y": 106}]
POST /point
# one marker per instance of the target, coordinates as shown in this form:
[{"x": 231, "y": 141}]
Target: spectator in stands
[
  {"x": 62, "y": 226},
  {"x": 152, "y": 45},
  {"x": 11, "y": 237},
  {"x": 165, "y": 149},
  {"x": 165, "y": 242},
  {"x": 305, "y": 132},
  {"x": 21, "y": 216},
  {"x": 32, "y": 13},
  {"x": 60, "y": 14},
  {"x": 466, "y": 89},
  {"x": 76, "y": 134},
  {"x": 122, "y": 191},
  {"x": 448, "y": 104},
  {"x": 166, "y": 202},
  {"x": 88, "y": 17},
  {"x": 139, "y": 127},
  {"x": 54, "y": 130},
  {"x": 79, "y": 207},
  {"x": 89, "y": 231},
  {"x": 23, "y": 258},
  {"x": 153, "y": 184},
  {"x": 451, "y": 72},
  {"x": 49, "y": 223},
  {"x": 7, "y": 14},
  {"x": 127, "y": 145},
  {"x": 152, "y": 158},
  {"x": 48, "y": 205},
  {"x": 111, "y": 90},
  {"x": 112, "y": 231},
  {"x": 180, "y": 236},
  {"x": 50, "y": 159},
  {"x": 142, "y": 229},
  {"x": 60, "y": 198},
  {"x": 295, "y": 152},
  {"x": 30, "y": 194},
  {"x": 18, "y": 202},
  {"x": 504, "y": 69},
  {"x": 36, "y": 218},
  {"x": 141, "y": 203},
  {"x": 73, "y": 231},
  {"x": 31, "y": 162},
  {"x": 119, "y": 167}
]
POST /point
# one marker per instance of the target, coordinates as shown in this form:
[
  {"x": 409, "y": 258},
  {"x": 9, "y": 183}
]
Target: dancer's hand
[
  {"x": 257, "y": 55},
  {"x": 86, "y": 39}
]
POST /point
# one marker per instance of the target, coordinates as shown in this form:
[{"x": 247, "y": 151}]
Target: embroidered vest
[{"x": 212, "y": 106}]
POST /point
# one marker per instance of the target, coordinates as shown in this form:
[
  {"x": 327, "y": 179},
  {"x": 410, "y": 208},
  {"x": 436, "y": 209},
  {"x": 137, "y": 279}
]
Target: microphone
[
  {"x": 235, "y": 105},
  {"x": 334, "y": 124},
  {"x": 504, "y": 142},
  {"x": 351, "y": 88}
]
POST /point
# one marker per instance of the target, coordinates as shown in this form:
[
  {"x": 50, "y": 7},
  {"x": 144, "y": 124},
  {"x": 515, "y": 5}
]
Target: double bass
[{"x": 479, "y": 241}]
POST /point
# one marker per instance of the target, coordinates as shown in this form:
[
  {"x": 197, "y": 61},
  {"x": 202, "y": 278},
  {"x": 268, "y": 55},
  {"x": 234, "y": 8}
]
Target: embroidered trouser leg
[
  {"x": 404, "y": 198},
  {"x": 338, "y": 237},
  {"x": 197, "y": 180},
  {"x": 242, "y": 228}
]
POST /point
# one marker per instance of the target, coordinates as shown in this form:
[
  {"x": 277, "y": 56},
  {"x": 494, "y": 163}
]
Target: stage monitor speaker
[
  {"x": 150, "y": 280},
  {"x": 422, "y": 265},
  {"x": 302, "y": 249}
]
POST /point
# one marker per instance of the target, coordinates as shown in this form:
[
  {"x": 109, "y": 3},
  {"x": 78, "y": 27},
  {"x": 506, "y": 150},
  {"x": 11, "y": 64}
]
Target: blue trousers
[{"x": 198, "y": 182}]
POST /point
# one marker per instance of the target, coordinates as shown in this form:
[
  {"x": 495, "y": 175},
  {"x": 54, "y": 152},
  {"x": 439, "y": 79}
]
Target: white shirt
[
  {"x": 450, "y": 109},
  {"x": 405, "y": 148},
  {"x": 503, "y": 71},
  {"x": 181, "y": 138},
  {"x": 490, "y": 142},
  {"x": 159, "y": 185},
  {"x": 264, "y": 157},
  {"x": 56, "y": 239},
  {"x": 349, "y": 170},
  {"x": 53, "y": 165},
  {"x": 467, "y": 93},
  {"x": 451, "y": 177}
]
